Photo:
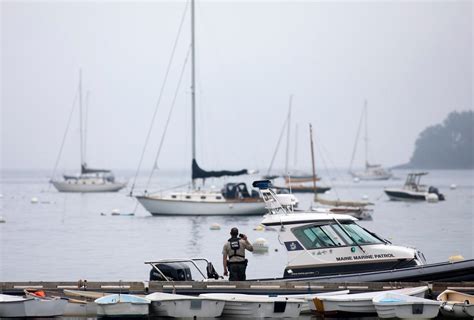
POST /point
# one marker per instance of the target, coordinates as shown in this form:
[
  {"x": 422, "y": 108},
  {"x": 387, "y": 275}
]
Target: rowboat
[
  {"x": 16, "y": 306},
  {"x": 122, "y": 305},
  {"x": 183, "y": 306},
  {"x": 395, "y": 305},
  {"x": 249, "y": 306},
  {"x": 359, "y": 302}
]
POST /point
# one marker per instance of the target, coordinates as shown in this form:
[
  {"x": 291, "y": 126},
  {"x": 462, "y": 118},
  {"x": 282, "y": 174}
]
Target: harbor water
[{"x": 70, "y": 236}]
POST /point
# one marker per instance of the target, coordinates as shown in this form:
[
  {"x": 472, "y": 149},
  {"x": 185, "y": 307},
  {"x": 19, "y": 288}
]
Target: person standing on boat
[{"x": 234, "y": 255}]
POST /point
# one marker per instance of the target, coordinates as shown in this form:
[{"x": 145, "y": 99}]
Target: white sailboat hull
[
  {"x": 368, "y": 176},
  {"x": 179, "y": 207},
  {"x": 64, "y": 186},
  {"x": 32, "y": 308}
]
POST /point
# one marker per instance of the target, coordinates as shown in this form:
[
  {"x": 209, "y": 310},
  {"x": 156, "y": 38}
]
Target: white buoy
[
  {"x": 453, "y": 186},
  {"x": 259, "y": 228},
  {"x": 365, "y": 197},
  {"x": 215, "y": 226},
  {"x": 2, "y": 220},
  {"x": 432, "y": 197},
  {"x": 356, "y": 180},
  {"x": 115, "y": 212},
  {"x": 260, "y": 245},
  {"x": 34, "y": 200}
]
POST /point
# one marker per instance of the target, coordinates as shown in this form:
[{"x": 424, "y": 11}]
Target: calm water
[{"x": 65, "y": 237}]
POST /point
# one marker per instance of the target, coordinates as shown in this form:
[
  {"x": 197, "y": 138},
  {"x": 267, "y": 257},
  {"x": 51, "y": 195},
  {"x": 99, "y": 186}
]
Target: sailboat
[
  {"x": 356, "y": 209},
  {"x": 294, "y": 181},
  {"x": 89, "y": 179},
  {"x": 372, "y": 171},
  {"x": 233, "y": 199}
]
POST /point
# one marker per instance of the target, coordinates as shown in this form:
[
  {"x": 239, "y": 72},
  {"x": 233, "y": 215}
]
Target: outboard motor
[
  {"x": 174, "y": 271},
  {"x": 434, "y": 190}
]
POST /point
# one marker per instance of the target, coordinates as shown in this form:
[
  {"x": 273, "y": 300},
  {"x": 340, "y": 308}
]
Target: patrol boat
[{"x": 333, "y": 247}]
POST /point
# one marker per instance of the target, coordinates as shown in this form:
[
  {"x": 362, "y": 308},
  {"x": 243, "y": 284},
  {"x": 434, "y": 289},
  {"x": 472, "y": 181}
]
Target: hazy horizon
[{"x": 412, "y": 61}]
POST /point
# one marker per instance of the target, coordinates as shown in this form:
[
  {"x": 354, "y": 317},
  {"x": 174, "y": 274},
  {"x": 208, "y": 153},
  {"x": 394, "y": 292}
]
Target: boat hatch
[{"x": 334, "y": 234}]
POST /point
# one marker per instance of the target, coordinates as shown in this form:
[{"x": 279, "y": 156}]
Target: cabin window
[
  {"x": 188, "y": 197},
  {"x": 218, "y": 197},
  {"x": 360, "y": 235},
  {"x": 203, "y": 197},
  {"x": 333, "y": 235},
  {"x": 173, "y": 196}
]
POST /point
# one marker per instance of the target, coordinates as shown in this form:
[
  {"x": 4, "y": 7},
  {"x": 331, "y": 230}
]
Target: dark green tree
[{"x": 449, "y": 145}]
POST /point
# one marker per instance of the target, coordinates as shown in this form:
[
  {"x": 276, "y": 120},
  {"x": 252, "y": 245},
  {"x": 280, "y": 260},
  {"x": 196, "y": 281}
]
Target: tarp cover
[
  {"x": 85, "y": 169},
  {"x": 199, "y": 173}
]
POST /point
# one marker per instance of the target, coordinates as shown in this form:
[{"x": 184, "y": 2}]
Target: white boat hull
[
  {"x": 32, "y": 308},
  {"x": 178, "y": 207},
  {"x": 248, "y": 306},
  {"x": 77, "y": 309},
  {"x": 64, "y": 186},
  {"x": 182, "y": 308},
  {"x": 359, "y": 303},
  {"x": 122, "y": 309},
  {"x": 405, "y": 307}
]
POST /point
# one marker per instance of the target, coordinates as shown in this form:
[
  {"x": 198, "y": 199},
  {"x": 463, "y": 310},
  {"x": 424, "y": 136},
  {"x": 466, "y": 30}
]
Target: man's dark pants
[{"x": 237, "y": 271}]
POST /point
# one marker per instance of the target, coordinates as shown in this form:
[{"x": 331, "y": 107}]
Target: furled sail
[
  {"x": 199, "y": 173},
  {"x": 85, "y": 170}
]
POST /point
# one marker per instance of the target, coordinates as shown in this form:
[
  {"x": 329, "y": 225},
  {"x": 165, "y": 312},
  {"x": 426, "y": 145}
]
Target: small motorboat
[
  {"x": 412, "y": 190},
  {"x": 250, "y": 306},
  {"x": 456, "y": 304},
  {"x": 359, "y": 302},
  {"x": 395, "y": 305},
  {"x": 30, "y": 306},
  {"x": 183, "y": 306},
  {"x": 122, "y": 305}
]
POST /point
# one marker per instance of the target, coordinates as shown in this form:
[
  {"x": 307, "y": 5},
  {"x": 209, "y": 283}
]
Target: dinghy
[
  {"x": 360, "y": 302},
  {"x": 122, "y": 305},
  {"x": 308, "y": 307},
  {"x": 81, "y": 303},
  {"x": 249, "y": 306},
  {"x": 20, "y": 307},
  {"x": 182, "y": 306},
  {"x": 395, "y": 305},
  {"x": 456, "y": 304}
]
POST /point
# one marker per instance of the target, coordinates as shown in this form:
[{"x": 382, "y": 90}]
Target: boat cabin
[{"x": 413, "y": 181}]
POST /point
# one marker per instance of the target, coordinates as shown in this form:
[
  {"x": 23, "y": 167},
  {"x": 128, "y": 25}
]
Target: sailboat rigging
[
  {"x": 89, "y": 179},
  {"x": 372, "y": 171},
  {"x": 233, "y": 199}
]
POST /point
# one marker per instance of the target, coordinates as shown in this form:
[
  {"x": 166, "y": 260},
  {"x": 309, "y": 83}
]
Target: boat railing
[{"x": 191, "y": 261}]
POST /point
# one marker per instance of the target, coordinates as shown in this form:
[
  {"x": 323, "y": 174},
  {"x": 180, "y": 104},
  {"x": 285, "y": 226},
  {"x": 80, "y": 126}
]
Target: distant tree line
[{"x": 449, "y": 145}]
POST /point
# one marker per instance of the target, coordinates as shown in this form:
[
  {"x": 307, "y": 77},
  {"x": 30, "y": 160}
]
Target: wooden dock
[{"x": 249, "y": 287}]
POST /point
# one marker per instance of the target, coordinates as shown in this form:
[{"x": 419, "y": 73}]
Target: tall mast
[
  {"x": 288, "y": 136},
  {"x": 312, "y": 160},
  {"x": 193, "y": 86},
  {"x": 80, "y": 119},
  {"x": 366, "y": 138}
]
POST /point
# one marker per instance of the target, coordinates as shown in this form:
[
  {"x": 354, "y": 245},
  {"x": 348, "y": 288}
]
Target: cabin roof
[{"x": 304, "y": 217}]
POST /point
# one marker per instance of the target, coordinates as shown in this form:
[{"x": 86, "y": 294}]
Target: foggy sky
[{"x": 412, "y": 61}]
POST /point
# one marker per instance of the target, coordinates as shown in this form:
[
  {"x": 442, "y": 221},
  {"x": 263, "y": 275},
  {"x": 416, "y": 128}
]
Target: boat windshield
[{"x": 333, "y": 234}]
